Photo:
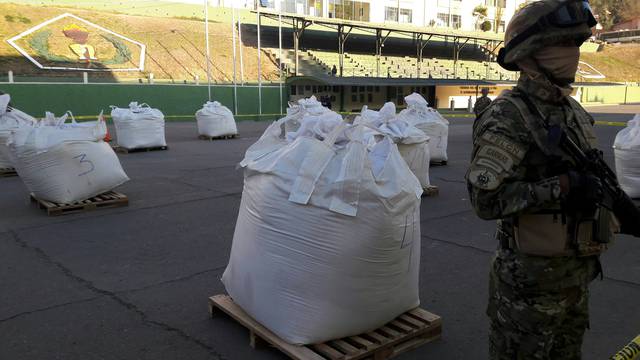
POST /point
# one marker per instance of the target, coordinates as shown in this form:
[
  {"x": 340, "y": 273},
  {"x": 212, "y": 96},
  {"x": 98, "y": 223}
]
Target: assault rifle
[{"x": 615, "y": 199}]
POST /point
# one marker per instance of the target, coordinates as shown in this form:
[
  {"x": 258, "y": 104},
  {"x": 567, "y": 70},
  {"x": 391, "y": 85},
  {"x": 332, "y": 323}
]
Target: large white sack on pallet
[
  {"x": 215, "y": 119},
  {"x": 297, "y": 111},
  {"x": 66, "y": 163},
  {"x": 412, "y": 142},
  {"x": 627, "y": 155},
  {"x": 10, "y": 120},
  {"x": 139, "y": 126},
  {"x": 327, "y": 241},
  {"x": 419, "y": 114}
]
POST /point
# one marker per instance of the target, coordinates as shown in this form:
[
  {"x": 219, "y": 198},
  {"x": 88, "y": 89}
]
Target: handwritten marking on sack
[
  {"x": 83, "y": 160},
  {"x": 496, "y": 155},
  {"x": 505, "y": 144}
]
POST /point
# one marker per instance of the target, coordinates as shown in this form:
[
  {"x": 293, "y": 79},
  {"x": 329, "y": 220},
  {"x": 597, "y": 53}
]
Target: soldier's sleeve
[{"x": 494, "y": 178}]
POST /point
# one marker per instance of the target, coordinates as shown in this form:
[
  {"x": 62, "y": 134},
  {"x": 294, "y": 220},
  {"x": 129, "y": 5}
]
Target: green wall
[
  {"x": 175, "y": 101},
  {"x": 610, "y": 94}
]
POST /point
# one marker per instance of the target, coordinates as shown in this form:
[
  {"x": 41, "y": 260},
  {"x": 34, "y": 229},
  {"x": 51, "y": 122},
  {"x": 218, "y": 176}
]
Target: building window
[
  {"x": 377, "y": 88},
  {"x": 314, "y": 89},
  {"x": 361, "y": 88},
  {"x": 354, "y": 89},
  {"x": 501, "y": 27},
  {"x": 405, "y": 15},
  {"x": 443, "y": 19},
  {"x": 370, "y": 97},
  {"x": 336, "y": 89},
  {"x": 354, "y": 97},
  {"x": 293, "y": 90},
  {"x": 361, "y": 97},
  {"x": 390, "y": 13},
  {"x": 456, "y": 21},
  {"x": 307, "y": 88}
]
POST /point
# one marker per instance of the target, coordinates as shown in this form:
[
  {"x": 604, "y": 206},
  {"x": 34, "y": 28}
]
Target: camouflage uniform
[
  {"x": 538, "y": 295},
  {"x": 538, "y": 305},
  {"x": 481, "y": 104}
]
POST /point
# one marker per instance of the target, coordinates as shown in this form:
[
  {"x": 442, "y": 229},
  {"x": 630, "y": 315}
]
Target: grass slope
[
  {"x": 175, "y": 47},
  {"x": 617, "y": 62}
]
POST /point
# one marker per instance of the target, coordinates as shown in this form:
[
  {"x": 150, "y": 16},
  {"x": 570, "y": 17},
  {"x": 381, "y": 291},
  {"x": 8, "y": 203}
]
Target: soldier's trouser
[{"x": 538, "y": 306}]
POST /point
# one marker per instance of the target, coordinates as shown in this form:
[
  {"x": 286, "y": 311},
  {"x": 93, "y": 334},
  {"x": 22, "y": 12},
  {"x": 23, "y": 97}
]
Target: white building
[{"x": 446, "y": 13}]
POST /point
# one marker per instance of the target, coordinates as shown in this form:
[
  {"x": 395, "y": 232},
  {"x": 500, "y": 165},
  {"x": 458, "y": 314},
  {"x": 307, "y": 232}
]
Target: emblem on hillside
[{"x": 68, "y": 42}]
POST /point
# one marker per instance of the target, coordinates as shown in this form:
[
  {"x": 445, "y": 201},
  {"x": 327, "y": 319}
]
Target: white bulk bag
[
  {"x": 627, "y": 155},
  {"x": 10, "y": 120},
  {"x": 66, "y": 163},
  {"x": 412, "y": 142},
  {"x": 419, "y": 114},
  {"x": 214, "y": 119},
  {"x": 327, "y": 241},
  {"x": 303, "y": 107},
  {"x": 139, "y": 126}
]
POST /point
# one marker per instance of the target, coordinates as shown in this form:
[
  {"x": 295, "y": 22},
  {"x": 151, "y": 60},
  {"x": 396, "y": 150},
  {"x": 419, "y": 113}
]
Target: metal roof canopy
[{"x": 421, "y": 36}]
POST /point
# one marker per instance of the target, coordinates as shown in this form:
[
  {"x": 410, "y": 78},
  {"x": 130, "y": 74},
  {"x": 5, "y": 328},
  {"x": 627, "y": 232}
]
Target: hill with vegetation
[
  {"x": 619, "y": 63},
  {"x": 175, "y": 47}
]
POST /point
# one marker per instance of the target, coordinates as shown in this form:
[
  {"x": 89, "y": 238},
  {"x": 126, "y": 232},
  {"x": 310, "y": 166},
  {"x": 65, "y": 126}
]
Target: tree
[
  {"x": 611, "y": 12},
  {"x": 485, "y": 26},
  {"x": 480, "y": 13}
]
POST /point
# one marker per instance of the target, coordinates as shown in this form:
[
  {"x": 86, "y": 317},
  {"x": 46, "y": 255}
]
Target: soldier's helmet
[{"x": 543, "y": 23}]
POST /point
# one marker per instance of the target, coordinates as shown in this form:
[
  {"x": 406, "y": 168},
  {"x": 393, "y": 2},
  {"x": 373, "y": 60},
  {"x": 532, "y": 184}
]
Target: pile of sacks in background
[
  {"x": 412, "y": 142},
  {"x": 419, "y": 114},
  {"x": 627, "y": 156},
  {"x": 327, "y": 241},
  {"x": 138, "y": 126},
  {"x": 10, "y": 120},
  {"x": 61, "y": 162},
  {"x": 215, "y": 120}
]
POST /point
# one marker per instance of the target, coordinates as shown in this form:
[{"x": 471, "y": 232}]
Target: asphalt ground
[{"x": 133, "y": 283}]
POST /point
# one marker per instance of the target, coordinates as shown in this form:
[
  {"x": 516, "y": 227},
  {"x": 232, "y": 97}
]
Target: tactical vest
[{"x": 553, "y": 232}]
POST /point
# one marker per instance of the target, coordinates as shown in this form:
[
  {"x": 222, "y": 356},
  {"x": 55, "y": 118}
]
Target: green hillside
[{"x": 175, "y": 47}]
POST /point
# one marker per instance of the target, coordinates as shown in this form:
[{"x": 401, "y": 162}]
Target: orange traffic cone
[{"x": 107, "y": 136}]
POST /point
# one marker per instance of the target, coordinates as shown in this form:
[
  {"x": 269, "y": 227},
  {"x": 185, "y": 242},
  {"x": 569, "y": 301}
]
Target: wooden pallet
[
  {"x": 430, "y": 191},
  {"x": 407, "y": 332},
  {"x": 8, "y": 172},
  {"x": 222, "y": 137},
  {"x": 123, "y": 150},
  {"x": 107, "y": 200}
]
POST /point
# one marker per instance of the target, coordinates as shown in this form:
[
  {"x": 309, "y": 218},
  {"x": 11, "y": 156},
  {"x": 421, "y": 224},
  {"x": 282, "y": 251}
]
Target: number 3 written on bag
[{"x": 83, "y": 160}]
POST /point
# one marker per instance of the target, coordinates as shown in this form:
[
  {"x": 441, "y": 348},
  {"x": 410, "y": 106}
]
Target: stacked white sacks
[
  {"x": 138, "y": 126},
  {"x": 419, "y": 114},
  {"x": 412, "y": 142},
  {"x": 215, "y": 119},
  {"x": 627, "y": 155},
  {"x": 327, "y": 241},
  {"x": 65, "y": 163},
  {"x": 10, "y": 120}
]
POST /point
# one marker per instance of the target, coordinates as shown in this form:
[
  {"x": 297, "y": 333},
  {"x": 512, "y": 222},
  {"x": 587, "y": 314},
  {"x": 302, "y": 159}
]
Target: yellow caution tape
[
  {"x": 612, "y": 123},
  {"x": 629, "y": 352}
]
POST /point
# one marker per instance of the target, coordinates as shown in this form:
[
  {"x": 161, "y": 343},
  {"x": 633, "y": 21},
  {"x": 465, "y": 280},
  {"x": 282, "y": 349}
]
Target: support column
[
  {"x": 342, "y": 38},
  {"x": 296, "y": 45}
]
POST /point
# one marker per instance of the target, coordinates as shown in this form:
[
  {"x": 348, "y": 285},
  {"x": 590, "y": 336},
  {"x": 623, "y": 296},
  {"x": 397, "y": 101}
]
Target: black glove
[{"x": 585, "y": 192}]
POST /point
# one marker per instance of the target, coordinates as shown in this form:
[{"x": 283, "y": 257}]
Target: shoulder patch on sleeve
[
  {"x": 516, "y": 150},
  {"x": 484, "y": 179},
  {"x": 496, "y": 155}
]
